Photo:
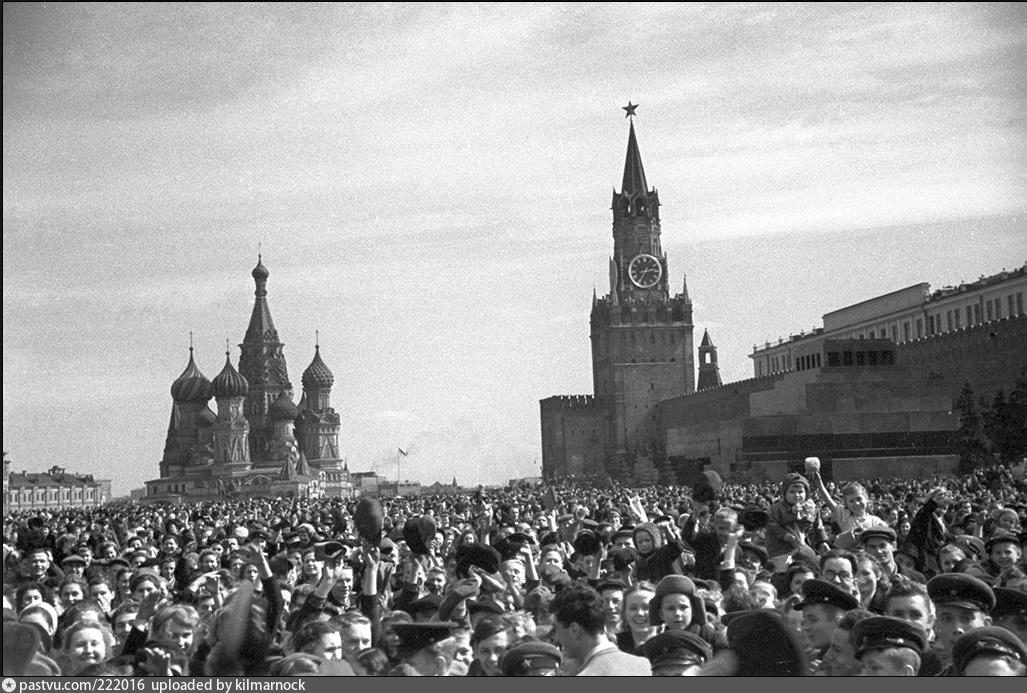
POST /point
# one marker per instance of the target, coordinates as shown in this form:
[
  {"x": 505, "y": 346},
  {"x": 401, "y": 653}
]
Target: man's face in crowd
[
  {"x": 355, "y": 637},
  {"x": 490, "y": 650},
  {"x": 624, "y": 542},
  {"x": 514, "y": 572},
  {"x": 39, "y": 563},
  {"x": 170, "y": 545},
  {"x": 839, "y": 571},
  {"x": 311, "y": 566},
  {"x": 328, "y": 646},
  {"x": 952, "y": 621},
  {"x": 881, "y": 549},
  {"x": 613, "y": 599},
  {"x": 840, "y": 659},
  {"x": 208, "y": 562},
  {"x": 818, "y": 623},
  {"x": 947, "y": 560},
  {"x": 912, "y": 608},
  {"x": 435, "y": 582},
  {"x": 876, "y": 663},
  {"x": 343, "y": 584}
]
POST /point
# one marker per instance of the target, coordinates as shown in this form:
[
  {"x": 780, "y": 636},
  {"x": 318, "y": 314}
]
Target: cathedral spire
[
  {"x": 634, "y": 175},
  {"x": 262, "y": 327}
]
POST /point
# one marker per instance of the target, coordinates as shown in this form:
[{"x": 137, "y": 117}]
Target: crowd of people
[{"x": 793, "y": 577}]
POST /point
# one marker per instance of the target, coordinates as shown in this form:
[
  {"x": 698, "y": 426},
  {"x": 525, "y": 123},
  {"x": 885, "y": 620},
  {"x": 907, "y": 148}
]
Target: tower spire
[{"x": 634, "y": 175}]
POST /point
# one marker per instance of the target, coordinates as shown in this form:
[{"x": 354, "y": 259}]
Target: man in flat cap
[
  {"x": 676, "y": 653},
  {"x": 823, "y": 605},
  {"x": 578, "y": 621},
  {"x": 879, "y": 542},
  {"x": 961, "y": 603},
  {"x": 1010, "y": 611},
  {"x": 989, "y": 651},
  {"x": 425, "y": 649},
  {"x": 889, "y": 646},
  {"x": 531, "y": 658}
]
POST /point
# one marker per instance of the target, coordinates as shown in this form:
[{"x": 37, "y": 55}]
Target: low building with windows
[
  {"x": 903, "y": 316},
  {"x": 55, "y": 488}
]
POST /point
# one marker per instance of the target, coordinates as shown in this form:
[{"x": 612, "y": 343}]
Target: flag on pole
[{"x": 403, "y": 452}]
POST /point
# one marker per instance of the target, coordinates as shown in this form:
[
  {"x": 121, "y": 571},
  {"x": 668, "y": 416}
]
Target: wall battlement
[{"x": 577, "y": 402}]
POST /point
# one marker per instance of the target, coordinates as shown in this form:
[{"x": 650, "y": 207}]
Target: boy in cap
[
  {"x": 989, "y": 651},
  {"x": 961, "y": 603},
  {"x": 840, "y": 658},
  {"x": 889, "y": 646},
  {"x": 1004, "y": 554}
]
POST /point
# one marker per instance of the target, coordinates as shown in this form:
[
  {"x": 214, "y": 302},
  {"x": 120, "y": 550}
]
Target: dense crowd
[{"x": 576, "y": 577}]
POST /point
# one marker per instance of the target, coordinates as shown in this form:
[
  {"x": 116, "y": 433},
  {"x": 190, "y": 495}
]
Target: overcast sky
[{"x": 430, "y": 186}]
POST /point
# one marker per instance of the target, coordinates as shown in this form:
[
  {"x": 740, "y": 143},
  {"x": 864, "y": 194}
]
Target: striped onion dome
[
  {"x": 192, "y": 385},
  {"x": 229, "y": 382},
  {"x": 318, "y": 375}
]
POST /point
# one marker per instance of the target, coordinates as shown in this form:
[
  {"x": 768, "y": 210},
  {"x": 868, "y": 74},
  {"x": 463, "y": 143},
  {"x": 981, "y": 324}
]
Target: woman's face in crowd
[
  {"x": 866, "y": 577},
  {"x": 143, "y": 590},
  {"x": 795, "y": 586},
  {"x": 123, "y": 626},
  {"x": 71, "y": 594},
  {"x": 87, "y": 647},
  {"x": 30, "y": 597},
  {"x": 636, "y": 609}
]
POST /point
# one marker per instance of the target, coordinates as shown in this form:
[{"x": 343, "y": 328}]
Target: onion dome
[
  {"x": 260, "y": 272},
  {"x": 317, "y": 376},
  {"x": 207, "y": 417},
  {"x": 229, "y": 383},
  {"x": 283, "y": 409},
  {"x": 192, "y": 385}
]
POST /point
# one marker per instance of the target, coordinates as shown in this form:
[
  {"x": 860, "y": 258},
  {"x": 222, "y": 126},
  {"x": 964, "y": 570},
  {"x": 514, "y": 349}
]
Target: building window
[
  {"x": 987, "y": 305},
  {"x": 919, "y": 328},
  {"x": 1012, "y": 305},
  {"x": 969, "y": 316},
  {"x": 956, "y": 318},
  {"x": 1019, "y": 304},
  {"x": 998, "y": 308},
  {"x": 948, "y": 321}
]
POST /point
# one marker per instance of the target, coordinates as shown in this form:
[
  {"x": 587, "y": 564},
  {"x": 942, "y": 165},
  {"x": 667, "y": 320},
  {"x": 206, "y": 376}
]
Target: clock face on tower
[{"x": 645, "y": 271}]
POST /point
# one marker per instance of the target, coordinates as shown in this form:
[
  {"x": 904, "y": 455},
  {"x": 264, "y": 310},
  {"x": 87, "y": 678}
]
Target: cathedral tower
[
  {"x": 189, "y": 429},
  {"x": 642, "y": 351},
  {"x": 232, "y": 430},
  {"x": 262, "y": 364},
  {"x": 317, "y": 427},
  {"x": 709, "y": 371}
]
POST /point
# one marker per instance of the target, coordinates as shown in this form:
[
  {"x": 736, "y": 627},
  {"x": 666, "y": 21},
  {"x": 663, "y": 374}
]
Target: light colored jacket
[{"x": 608, "y": 660}]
